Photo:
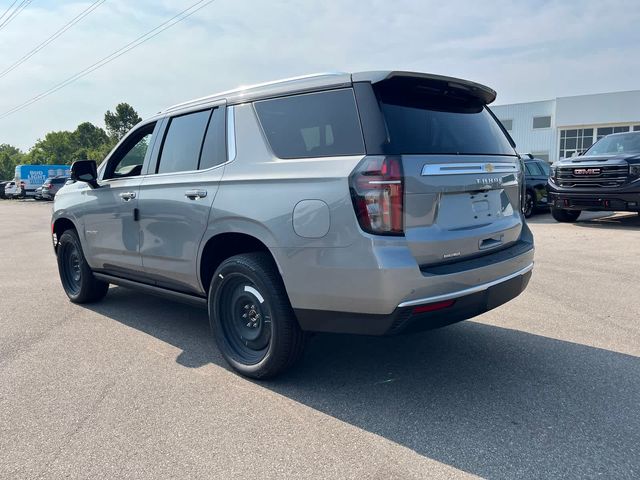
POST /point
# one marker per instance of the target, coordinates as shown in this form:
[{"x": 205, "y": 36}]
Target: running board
[{"x": 153, "y": 290}]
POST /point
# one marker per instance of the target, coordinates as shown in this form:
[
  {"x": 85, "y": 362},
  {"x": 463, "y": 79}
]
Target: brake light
[{"x": 377, "y": 192}]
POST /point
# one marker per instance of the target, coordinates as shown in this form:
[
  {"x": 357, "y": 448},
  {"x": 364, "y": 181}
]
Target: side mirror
[{"x": 85, "y": 171}]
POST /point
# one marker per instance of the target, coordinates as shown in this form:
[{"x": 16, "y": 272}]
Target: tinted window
[
  {"x": 182, "y": 142},
  {"x": 423, "y": 120},
  {"x": 59, "y": 180},
  {"x": 214, "y": 150},
  {"x": 541, "y": 122},
  {"x": 321, "y": 124}
]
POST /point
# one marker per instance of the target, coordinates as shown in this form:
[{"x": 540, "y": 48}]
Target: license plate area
[{"x": 472, "y": 209}]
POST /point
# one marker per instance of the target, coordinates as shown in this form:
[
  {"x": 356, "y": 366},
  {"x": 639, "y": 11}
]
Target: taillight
[{"x": 377, "y": 189}]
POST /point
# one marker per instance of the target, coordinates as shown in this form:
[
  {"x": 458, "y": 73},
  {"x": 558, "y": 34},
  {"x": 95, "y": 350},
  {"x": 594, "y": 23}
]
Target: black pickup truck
[{"x": 605, "y": 177}]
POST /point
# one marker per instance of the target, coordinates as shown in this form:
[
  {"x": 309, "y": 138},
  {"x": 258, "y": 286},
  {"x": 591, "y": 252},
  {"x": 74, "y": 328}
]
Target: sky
[{"x": 525, "y": 50}]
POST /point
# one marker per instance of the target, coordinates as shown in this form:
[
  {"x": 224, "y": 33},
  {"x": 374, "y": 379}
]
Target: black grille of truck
[{"x": 609, "y": 176}]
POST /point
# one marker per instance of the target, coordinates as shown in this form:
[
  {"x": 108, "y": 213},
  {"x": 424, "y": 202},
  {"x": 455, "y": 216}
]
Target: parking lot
[{"x": 545, "y": 386}]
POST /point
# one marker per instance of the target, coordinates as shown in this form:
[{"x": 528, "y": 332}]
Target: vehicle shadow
[
  {"x": 594, "y": 220},
  {"x": 622, "y": 221},
  {"x": 491, "y": 401}
]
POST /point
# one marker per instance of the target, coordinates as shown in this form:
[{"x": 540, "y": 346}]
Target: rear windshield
[
  {"x": 423, "y": 120},
  {"x": 323, "y": 124},
  {"x": 59, "y": 180}
]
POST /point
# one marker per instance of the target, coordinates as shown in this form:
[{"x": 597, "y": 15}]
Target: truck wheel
[
  {"x": 529, "y": 204},
  {"x": 565, "y": 216},
  {"x": 77, "y": 278},
  {"x": 251, "y": 318}
]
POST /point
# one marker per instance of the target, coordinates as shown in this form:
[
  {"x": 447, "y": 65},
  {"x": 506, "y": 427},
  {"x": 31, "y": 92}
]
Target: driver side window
[{"x": 128, "y": 159}]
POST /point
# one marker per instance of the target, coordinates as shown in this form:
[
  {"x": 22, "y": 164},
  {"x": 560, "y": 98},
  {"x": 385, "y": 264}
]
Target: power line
[
  {"x": 66, "y": 27},
  {"x": 15, "y": 13},
  {"x": 109, "y": 58},
  {"x": 8, "y": 9}
]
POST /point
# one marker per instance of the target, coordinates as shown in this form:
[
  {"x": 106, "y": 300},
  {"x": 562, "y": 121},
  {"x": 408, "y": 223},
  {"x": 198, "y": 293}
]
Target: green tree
[
  {"x": 10, "y": 156},
  {"x": 87, "y": 139},
  {"x": 121, "y": 121},
  {"x": 55, "y": 148}
]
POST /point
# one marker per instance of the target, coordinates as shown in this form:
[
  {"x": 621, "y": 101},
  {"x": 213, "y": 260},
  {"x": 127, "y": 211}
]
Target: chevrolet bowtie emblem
[{"x": 489, "y": 167}]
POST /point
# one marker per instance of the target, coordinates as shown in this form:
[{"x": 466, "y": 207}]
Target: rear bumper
[
  {"x": 407, "y": 316},
  {"x": 380, "y": 279}
]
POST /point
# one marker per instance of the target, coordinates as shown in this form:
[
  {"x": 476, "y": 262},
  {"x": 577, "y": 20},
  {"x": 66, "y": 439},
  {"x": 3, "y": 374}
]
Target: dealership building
[{"x": 558, "y": 128}]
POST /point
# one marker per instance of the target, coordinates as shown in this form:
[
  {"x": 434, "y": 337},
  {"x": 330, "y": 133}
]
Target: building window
[
  {"x": 602, "y": 131},
  {"x": 636, "y": 128},
  {"x": 575, "y": 141},
  {"x": 507, "y": 124},
  {"x": 541, "y": 122},
  {"x": 541, "y": 155}
]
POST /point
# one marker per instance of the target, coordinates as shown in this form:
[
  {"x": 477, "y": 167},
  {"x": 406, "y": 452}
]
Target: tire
[
  {"x": 565, "y": 216},
  {"x": 529, "y": 206},
  {"x": 248, "y": 288},
  {"x": 78, "y": 281}
]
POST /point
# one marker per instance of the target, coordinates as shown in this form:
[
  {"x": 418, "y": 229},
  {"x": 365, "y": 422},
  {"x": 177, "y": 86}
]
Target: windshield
[
  {"x": 545, "y": 168},
  {"x": 616, "y": 144}
]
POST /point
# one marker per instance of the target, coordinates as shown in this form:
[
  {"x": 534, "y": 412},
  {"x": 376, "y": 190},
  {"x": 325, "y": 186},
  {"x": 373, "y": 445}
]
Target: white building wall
[
  {"x": 582, "y": 118},
  {"x": 528, "y": 139},
  {"x": 599, "y": 109}
]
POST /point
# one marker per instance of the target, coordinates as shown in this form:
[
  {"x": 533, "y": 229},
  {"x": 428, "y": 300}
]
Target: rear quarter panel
[{"x": 258, "y": 192}]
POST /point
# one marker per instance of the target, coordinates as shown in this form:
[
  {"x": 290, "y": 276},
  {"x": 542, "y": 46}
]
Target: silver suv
[{"x": 370, "y": 203}]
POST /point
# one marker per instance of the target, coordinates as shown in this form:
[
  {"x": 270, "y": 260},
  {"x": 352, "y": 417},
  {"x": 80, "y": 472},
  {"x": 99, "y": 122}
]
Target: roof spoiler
[{"x": 482, "y": 92}]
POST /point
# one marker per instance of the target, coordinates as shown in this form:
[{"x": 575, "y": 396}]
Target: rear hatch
[{"x": 461, "y": 174}]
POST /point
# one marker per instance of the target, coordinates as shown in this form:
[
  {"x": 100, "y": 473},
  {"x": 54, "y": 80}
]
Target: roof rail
[{"x": 249, "y": 87}]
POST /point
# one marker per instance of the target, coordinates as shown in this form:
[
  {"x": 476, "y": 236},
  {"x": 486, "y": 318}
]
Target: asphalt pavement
[{"x": 546, "y": 386}]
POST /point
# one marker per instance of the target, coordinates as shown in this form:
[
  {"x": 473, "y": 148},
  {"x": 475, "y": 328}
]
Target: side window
[
  {"x": 183, "y": 142},
  {"x": 128, "y": 159},
  {"x": 527, "y": 169},
  {"x": 533, "y": 169},
  {"x": 214, "y": 148},
  {"x": 322, "y": 124}
]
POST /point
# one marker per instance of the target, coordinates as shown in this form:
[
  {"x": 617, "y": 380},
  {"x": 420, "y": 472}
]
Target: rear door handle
[
  {"x": 126, "y": 196},
  {"x": 195, "y": 194}
]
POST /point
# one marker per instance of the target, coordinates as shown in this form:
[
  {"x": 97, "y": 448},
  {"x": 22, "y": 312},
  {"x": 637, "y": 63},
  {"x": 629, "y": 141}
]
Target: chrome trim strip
[
  {"x": 467, "y": 291},
  {"x": 468, "y": 168},
  {"x": 231, "y": 134}
]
